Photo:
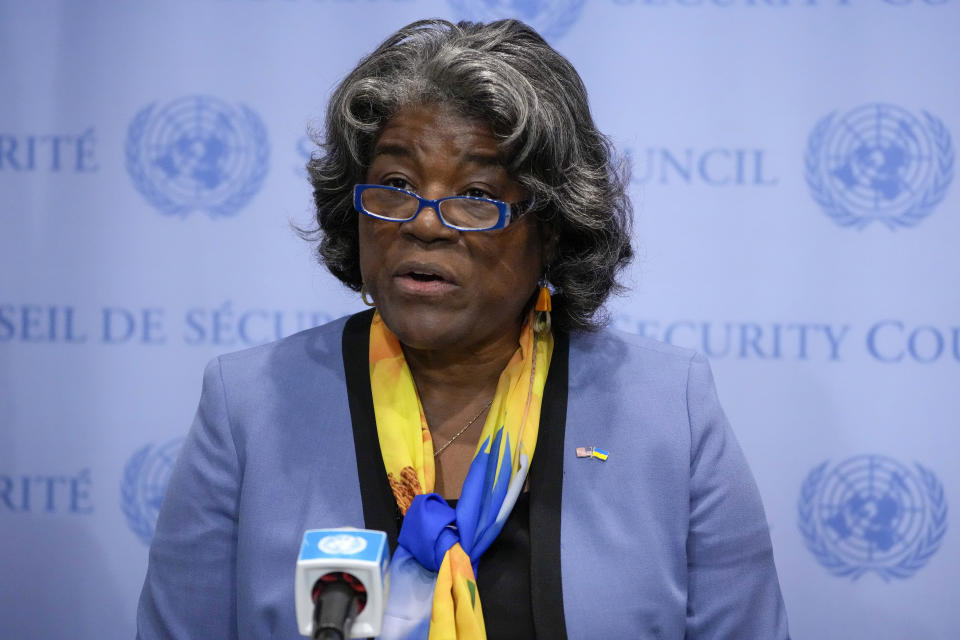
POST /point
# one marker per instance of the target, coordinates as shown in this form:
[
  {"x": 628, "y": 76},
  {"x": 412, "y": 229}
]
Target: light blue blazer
[{"x": 664, "y": 540}]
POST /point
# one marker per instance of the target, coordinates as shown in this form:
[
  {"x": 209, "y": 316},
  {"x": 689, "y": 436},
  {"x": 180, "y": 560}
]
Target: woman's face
[{"x": 434, "y": 286}]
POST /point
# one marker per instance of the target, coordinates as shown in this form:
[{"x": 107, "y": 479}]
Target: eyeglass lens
[{"x": 461, "y": 212}]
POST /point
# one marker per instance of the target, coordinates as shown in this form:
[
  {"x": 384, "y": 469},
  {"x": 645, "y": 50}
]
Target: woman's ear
[{"x": 549, "y": 241}]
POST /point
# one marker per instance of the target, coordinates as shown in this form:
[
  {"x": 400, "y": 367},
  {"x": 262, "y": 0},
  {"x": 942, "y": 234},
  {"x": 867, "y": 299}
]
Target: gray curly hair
[{"x": 505, "y": 74}]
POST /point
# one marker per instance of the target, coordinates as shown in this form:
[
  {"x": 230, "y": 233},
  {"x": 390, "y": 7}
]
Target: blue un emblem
[
  {"x": 551, "y": 18},
  {"x": 871, "y": 513},
  {"x": 879, "y": 162},
  {"x": 144, "y": 482},
  {"x": 197, "y": 152}
]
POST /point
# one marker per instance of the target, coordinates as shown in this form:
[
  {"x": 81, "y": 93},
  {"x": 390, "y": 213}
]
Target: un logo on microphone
[
  {"x": 872, "y": 513},
  {"x": 342, "y": 544},
  {"x": 197, "y": 153},
  {"x": 551, "y": 18},
  {"x": 145, "y": 478},
  {"x": 881, "y": 163}
]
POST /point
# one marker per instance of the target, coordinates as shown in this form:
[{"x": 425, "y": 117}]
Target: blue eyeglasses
[{"x": 463, "y": 213}]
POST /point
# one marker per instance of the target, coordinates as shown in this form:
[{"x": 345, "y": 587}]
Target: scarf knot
[{"x": 429, "y": 530}]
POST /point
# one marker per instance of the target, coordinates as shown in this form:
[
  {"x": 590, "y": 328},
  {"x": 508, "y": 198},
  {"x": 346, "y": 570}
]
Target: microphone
[{"x": 341, "y": 583}]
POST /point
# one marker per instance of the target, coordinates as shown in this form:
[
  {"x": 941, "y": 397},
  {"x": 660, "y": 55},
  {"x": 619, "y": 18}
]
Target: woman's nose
[{"x": 427, "y": 226}]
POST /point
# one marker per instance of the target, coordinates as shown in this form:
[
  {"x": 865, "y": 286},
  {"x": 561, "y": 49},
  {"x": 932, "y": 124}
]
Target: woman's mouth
[
  {"x": 423, "y": 280},
  {"x": 424, "y": 277}
]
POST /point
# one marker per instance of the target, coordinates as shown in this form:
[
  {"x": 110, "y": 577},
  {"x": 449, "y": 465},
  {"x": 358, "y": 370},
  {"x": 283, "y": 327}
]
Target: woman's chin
[
  {"x": 431, "y": 328},
  {"x": 427, "y": 332}
]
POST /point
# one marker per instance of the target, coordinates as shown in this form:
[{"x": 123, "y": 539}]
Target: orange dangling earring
[{"x": 541, "y": 322}]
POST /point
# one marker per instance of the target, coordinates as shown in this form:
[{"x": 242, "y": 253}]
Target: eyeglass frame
[{"x": 506, "y": 209}]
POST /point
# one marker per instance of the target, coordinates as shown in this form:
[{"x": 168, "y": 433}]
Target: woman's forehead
[{"x": 433, "y": 128}]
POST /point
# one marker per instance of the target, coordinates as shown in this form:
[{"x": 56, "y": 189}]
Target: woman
[{"x": 463, "y": 179}]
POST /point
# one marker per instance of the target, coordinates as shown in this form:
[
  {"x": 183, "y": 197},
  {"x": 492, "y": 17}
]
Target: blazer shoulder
[
  {"x": 614, "y": 347},
  {"x": 321, "y": 340}
]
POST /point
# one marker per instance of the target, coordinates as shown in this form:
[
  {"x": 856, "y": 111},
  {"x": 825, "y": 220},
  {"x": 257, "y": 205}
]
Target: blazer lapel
[
  {"x": 546, "y": 490},
  {"x": 380, "y": 511}
]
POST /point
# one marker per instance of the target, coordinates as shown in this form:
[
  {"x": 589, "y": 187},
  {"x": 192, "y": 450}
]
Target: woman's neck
[
  {"x": 454, "y": 387},
  {"x": 459, "y": 376}
]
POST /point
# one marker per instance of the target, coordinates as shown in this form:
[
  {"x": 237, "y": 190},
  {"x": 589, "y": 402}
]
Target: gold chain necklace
[{"x": 465, "y": 427}]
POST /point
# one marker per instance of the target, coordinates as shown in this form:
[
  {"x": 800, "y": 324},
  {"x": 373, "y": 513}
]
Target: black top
[
  {"x": 503, "y": 577},
  {"x": 518, "y": 577}
]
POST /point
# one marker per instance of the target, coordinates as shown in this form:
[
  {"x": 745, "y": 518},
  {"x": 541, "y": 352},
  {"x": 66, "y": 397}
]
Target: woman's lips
[
  {"x": 423, "y": 279},
  {"x": 423, "y": 283}
]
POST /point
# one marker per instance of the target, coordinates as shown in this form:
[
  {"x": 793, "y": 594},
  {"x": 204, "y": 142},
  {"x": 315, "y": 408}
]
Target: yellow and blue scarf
[{"x": 433, "y": 588}]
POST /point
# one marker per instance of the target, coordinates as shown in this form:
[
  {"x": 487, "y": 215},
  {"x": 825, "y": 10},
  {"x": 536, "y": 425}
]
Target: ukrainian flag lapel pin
[{"x": 592, "y": 452}]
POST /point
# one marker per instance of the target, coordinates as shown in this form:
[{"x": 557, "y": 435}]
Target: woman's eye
[
  {"x": 398, "y": 183},
  {"x": 478, "y": 193}
]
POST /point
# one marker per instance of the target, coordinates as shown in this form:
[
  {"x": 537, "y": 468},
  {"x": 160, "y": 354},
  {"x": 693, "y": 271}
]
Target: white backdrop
[{"x": 792, "y": 169}]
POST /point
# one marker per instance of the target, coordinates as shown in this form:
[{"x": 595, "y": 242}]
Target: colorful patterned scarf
[{"x": 433, "y": 588}]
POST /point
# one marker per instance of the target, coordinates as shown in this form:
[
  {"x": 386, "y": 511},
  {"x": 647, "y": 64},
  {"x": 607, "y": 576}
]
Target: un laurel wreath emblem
[
  {"x": 879, "y": 162},
  {"x": 145, "y": 478},
  {"x": 872, "y": 513},
  {"x": 197, "y": 153},
  {"x": 551, "y": 18}
]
